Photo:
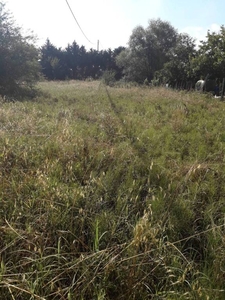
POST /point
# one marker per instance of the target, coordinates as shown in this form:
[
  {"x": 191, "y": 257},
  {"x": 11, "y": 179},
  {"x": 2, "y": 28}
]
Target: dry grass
[{"x": 113, "y": 193}]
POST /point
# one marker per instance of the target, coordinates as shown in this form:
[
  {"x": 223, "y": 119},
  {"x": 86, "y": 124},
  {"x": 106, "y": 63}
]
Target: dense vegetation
[
  {"x": 112, "y": 193},
  {"x": 19, "y": 66},
  {"x": 76, "y": 62},
  {"x": 155, "y": 55}
]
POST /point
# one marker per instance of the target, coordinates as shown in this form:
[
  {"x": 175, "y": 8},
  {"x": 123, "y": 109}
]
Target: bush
[{"x": 108, "y": 78}]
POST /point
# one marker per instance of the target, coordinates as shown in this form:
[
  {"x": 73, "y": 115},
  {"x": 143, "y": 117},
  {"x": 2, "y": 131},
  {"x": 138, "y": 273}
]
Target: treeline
[
  {"x": 75, "y": 62},
  {"x": 155, "y": 55}
]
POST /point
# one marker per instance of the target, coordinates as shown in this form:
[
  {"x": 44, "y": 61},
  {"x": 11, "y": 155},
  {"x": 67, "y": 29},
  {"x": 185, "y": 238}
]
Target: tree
[
  {"x": 148, "y": 50},
  {"x": 53, "y": 62},
  {"x": 73, "y": 60},
  {"x": 19, "y": 66},
  {"x": 210, "y": 58},
  {"x": 134, "y": 59},
  {"x": 115, "y": 67},
  {"x": 177, "y": 71}
]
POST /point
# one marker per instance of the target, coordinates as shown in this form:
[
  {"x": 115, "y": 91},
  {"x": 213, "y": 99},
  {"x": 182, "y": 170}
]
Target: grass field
[{"x": 114, "y": 193}]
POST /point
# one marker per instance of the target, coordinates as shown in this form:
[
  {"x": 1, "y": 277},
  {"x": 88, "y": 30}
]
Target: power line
[{"x": 78, "y": 23}]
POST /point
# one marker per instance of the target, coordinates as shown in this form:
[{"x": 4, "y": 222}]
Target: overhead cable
[{"x": 78, "y": 23}]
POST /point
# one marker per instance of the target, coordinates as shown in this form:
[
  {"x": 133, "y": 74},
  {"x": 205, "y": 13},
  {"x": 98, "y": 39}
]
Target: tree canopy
[
  {"x": 19, "y": 66},
  {"x": 210, "y": 58},
  {"x": 75, "y": 62},
  {"x": 148, "y": 50},
  {"x": 162, "y": 55}
]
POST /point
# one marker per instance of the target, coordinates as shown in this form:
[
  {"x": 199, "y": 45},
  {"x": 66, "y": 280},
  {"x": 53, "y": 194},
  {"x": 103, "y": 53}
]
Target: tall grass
[{"x": 114, "y": 193}]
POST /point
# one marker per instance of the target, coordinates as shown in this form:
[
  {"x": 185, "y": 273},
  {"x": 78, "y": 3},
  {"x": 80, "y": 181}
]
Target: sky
[{"x": 111, "y": 22}]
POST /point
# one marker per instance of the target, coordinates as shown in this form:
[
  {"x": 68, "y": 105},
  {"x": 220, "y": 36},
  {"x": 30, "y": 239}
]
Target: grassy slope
[{"x": 112, "y": 195}]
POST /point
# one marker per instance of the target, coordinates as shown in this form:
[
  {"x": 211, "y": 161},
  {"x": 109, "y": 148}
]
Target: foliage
[
  {"x": 113, "y": 193},
  {"x": 19, "y": 67},
  {"x": 178, "y": 70},
  {"x": 148, "y": 50},
  {"x": 210, "y": 58},
  {"x": 108, "y": 78},
  {"x": 161, "y": 55},
  {"x": 76, "y": 62},
  {"x": 51, "y": 61},
  {"x": 157, "y": 55}
]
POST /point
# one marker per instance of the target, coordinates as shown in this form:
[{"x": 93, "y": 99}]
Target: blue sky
[{"x": 112, "y": 21}]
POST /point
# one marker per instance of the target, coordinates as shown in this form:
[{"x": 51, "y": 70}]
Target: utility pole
[{"x": 98, "y": 45}]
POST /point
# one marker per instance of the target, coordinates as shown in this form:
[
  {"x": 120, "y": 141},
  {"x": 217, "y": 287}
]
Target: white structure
[{"x": 199, "y": 86}]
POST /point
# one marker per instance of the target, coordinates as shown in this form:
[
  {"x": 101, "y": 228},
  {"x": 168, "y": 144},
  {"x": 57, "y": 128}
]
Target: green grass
[{"x": 114, "y": 193}]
